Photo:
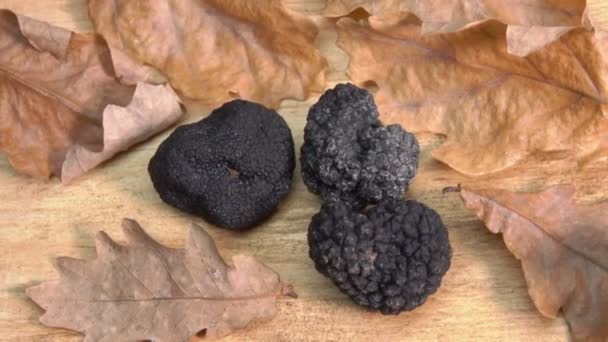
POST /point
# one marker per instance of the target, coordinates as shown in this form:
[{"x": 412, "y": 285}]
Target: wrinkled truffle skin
[
  {"x": 231, "y": 168},
  {"x": 348, "y": 155},
  {"x": 389, "y": 259}
]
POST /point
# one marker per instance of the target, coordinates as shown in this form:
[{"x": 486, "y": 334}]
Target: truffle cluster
[
  {"x": 231, "y": 168},
  {"x": 349, "y": 156},
  {"x": 390, "y": 259},
  {"x": 234, "y": 167}
]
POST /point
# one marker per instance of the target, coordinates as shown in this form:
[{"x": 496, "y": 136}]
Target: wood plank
[{"x": 484, "y": 296}]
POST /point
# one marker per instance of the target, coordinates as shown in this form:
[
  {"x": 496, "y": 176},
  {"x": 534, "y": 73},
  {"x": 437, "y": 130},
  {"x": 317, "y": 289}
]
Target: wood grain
[{"x": 484, "y": 296}]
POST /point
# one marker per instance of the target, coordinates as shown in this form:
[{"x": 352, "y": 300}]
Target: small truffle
[
  {"x": 231, "y": 168},
  {"x": 349, "y": 156},
  {"x": 389, "y": 259}
]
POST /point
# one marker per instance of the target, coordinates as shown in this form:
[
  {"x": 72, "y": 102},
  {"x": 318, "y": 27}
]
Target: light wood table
[{"x": 484, "y": 295}]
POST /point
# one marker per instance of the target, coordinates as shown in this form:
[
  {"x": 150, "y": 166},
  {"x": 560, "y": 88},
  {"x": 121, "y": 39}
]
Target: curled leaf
[
  {"x": 61, "y": 100},
  {"x": 494, "y": 108},
  {"x": 452, "y": 15},
  {"x": 212, "y": 50},
  {"x": 146, "y": 291},
  {"x": 531, "y": 23},
  {"x": 151, "y": 110},
  {"x": 563, "y": 249}
]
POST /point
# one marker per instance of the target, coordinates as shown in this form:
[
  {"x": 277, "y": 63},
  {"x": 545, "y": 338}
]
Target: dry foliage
[
  {"x": 531, "y": 23},
  {"x": 212, "y": 50},
  {"x": 562, "y": 247},
  {"x": 146, "y": 291},
  {"x": 63, "y": 109},
  {"x": 494, "y": 108},
  {"x": 503, "y": 81}
]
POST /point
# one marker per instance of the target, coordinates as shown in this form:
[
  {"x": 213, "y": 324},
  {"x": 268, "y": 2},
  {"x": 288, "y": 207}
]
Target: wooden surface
[{"x": 483, "y": 296}]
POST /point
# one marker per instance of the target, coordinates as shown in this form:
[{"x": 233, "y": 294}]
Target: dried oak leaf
[
  {"x": 531, "y": 23},
  {"x": 212, "y": 50},
  {"x": 563, "y": 248},
  {"x": 494, "y": 108},
  {"x": 146, "y": 291},
  {"x": 63, "y": 109}
]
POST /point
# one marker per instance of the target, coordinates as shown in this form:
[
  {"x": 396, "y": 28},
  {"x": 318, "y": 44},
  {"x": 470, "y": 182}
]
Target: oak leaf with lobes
[
  {"x": 494, "y": 108},
  {"x": 563, "y": 249},
  {"x": 146, "y": 291},
  {"x": 212, "y": 50},
  {"x": 65, "y": 104}
]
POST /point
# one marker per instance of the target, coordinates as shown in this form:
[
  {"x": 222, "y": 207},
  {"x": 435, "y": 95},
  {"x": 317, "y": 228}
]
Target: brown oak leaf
[
  {"x": 531, "y": 23},
  {"x": 212, "y": 50},
  {"x": 563, "y": 249},
  {"x": 494, "y": 108},
  {"x": 146, "y": 291},
  {"x": 63, "y": 109}
]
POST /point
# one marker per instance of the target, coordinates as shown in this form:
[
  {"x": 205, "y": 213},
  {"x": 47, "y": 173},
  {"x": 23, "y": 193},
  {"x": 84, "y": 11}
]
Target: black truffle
[
  {"x": 231, "y": 168},
  {"x": 389, "y": 259},
  {"x": 348, "y": 155}
]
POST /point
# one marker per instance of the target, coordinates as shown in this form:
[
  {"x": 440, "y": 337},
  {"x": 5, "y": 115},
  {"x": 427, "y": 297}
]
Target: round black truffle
[
  {"x": 231, "y": 168},
  {"x": 349, "y": 156},
  {"x": 390, "y": 259}
]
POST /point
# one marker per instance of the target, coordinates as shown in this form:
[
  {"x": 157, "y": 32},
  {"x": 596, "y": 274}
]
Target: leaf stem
[{"x": 449, "y": 189}]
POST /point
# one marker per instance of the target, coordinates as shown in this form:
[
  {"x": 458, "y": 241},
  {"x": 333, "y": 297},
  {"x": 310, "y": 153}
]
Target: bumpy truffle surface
[
  {"x": 231, "y": 168},
  {"x": 348, "y": 155},
  {"x": 389, "y": 259}
]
